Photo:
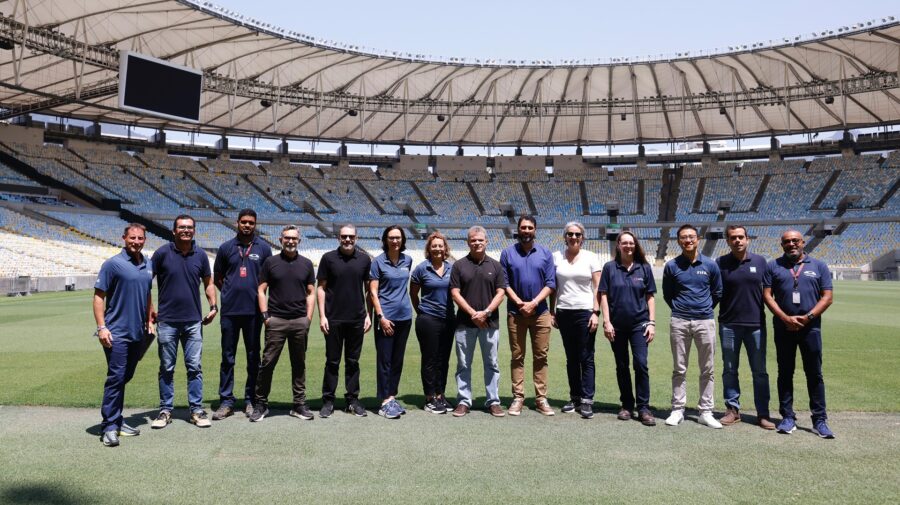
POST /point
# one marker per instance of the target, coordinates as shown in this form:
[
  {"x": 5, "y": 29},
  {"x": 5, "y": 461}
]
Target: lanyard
[
  {"x": 796, "y": 275},
  {"x": 242, "y": 255}
]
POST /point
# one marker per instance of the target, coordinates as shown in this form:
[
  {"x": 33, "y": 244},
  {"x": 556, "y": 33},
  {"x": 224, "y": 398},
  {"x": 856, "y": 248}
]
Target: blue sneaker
[
  {"x": 787, "y": 426},
  {"x": 389, "y": 411},
  {"x": 821, "y": 428},
  {"x": 402, "y": 410}
]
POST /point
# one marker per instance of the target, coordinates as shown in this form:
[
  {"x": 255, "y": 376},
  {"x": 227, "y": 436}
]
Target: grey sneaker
[
  {"x": 302, "y": 412},
  {"x": 162, "y": 420},
  {"x": 356, "y": 408},
  {"x": 110, "y": 439},
  {"x": 568, "y": 408},
  {"x": 222, "y": 412},
  {"x": 586, "y": 410},
  {"x": 326, "y": 410},
  {"x": 259, "y": 413},
  {"x": 200, "y": 419},
  {"x": 128, "y": 431}
]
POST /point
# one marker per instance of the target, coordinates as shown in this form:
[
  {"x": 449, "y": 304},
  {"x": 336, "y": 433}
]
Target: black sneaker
[
  {"x": 356, "y": 408},
  {"x": 447, "y": 405},
  {"x": 302, "y": 412},
  {"x": 586, "y": 410},
  {"x": 259, "y": 413},
  {"x": 435, "y": 406},
  {"x": 326, "y": 410},
  {"x": 568, "y": 408}
]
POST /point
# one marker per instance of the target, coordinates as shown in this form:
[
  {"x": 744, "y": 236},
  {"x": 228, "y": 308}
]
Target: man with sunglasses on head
[
  {"x": 798, "y": 289},
  {"x": 692, "y": 287},
  {"x": 343, "y": 284},
  {"x": 235, "y": 273}
]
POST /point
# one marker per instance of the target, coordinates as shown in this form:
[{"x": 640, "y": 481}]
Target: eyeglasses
[
  {"x": 687, "y": 238},
  {"x": 348, "y": 237},
  {"x": 576, "y": 234},
  {"x": 395, "y": 238},
  {"x": 791, "y": 241},
  {"x": 184, "y": 227},
  {"x": 290, "y": 239}
]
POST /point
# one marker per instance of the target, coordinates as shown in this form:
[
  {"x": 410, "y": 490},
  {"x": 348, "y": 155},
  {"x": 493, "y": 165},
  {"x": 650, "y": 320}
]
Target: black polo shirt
[
  {"x": 345, "y": 278},
  {"x": 288, "y": 280},
  {"x": 478, "y": 283},
  {"x": 239, "y": 291},
  {"x": 742, "y": 303}
]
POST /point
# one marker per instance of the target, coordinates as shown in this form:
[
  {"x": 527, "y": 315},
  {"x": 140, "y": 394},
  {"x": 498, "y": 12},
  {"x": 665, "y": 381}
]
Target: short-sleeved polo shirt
[
  {"x": 478, "y": 282},
  {"x": 627, "y": 292},
  {"x": 127, "y": 286},
  {"x": 814, "y": 277},
  {"x": 178, "y": 278},
  {"x": 288, "y": 279},
  {"x": 345, "y": 276},
  {"x": 574, "y": 281},
  {"x": 528, "y": 273},
  {"x": 742, "y": 303},
  {"x": 692, "y": 289},
  {"x": 393, "y": 286},
  {"x": 239, "y": 293},
  {"x": 434, "y": 289}
]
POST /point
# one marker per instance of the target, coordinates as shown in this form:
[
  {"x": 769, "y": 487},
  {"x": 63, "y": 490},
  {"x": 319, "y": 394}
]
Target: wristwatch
[
  {"x": 597, "y": 312},
  {"x": 378, "y": 317},
  {"x": 810, "y": 316},
  {"x": 214, "y": 307},
  {"x": 97, "y": 333}
]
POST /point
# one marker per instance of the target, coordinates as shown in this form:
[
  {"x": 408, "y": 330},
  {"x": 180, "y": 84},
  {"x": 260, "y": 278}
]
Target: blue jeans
[
  {"x": 754, "y": 339},
  {"x": 191, "y": 338},
  {"x": 121, "y": 360},
  {"x": 578, "y": 342},
  {"x": 488, "y": 339},
  {"x": 232, "y": 327}
]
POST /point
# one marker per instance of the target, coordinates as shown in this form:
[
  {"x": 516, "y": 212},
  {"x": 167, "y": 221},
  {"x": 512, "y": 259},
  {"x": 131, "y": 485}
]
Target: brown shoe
[
  {"x": 624, "y": 415},
  {"x": 765, "y": 423},
  {"x": 461, "y": 410},
  {"x": 543, "y": 407},
  {"x": 515, "y": 408},
  {"x": 496, "y": 410},
  {"x": 646, "y": 418},
  {"x": 732, "y": 416}
]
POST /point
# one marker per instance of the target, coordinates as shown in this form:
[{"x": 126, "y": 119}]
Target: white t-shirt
[{"x": 574, "y": 290}]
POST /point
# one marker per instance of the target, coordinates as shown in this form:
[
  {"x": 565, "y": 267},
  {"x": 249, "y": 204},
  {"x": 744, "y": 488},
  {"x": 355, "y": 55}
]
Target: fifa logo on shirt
[{"x": 701, "y": 272}]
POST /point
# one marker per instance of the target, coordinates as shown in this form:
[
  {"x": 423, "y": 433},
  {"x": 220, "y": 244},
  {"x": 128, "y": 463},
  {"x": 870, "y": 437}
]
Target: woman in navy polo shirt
[
  {"x": 389, "y": 294},
  {"x": 626, "y": 299},
  {"x": 435, "y": 320}
]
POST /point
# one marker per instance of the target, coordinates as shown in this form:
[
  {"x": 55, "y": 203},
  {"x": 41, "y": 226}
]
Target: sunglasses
[
  {"x": 791, "y": 241},
  {"x": 348, "y": 237},
  {"x": 575, "y": 234}
]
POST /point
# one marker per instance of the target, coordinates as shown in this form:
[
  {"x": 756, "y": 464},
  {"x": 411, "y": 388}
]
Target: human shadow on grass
[
  {"x": 61, "y": 494},
  {"x": 135, "y": 420}
]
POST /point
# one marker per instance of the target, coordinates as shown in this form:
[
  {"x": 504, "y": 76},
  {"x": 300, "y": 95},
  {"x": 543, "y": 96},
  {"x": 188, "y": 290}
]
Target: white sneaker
[
  {"x": 675, "y": 418},
  {"x": 708, "y": 419}
]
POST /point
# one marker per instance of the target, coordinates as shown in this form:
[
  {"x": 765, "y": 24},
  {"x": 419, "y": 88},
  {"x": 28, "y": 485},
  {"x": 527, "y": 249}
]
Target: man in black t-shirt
[
  {"x": 343, "y": 276},
  {"x": 290, "y": 281}
]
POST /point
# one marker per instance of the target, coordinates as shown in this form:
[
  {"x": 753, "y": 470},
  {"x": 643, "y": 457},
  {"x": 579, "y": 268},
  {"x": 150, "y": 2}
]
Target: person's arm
[
  {"x": 716, "y": 285},
  {"x": 99, "y": 305},
  {"x": 320, "y": 293},
  {"x": 414, "y": 296},
  {"x": 310, "y": 300},
  {"x": 367, "y": 322},
  {"x": 791, "y": 322},
  {"x": 594, "y": 321},
  {"x": 608, "y": 331},
  {"x": 650, "y": 329},
  {"x": 211, "y": 298},
  {"x": 151, "y": 313},
  {"x": 482, "y": 317},
  {"x": 668, "y": 283},
  {"x": 530, "y": 307},
  {"x": 825, "y": 300},
  {"x": 263, "y": 301},
  {"x": 551, "y": 304},
  {"x": 219, "y": 269},
  {"x": 386, "y": 325}
]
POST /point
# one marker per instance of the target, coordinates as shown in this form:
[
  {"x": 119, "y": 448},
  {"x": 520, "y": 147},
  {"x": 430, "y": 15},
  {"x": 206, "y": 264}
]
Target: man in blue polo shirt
[
  {"x": 235, "y": 273},
  {"x": 531, "y": 278},
  {"x": 692, "y": 287},
  {"x": 180, "y": 267},
  {"x": 742, "y": 321},
  {"x": 798, "y": 289},
  {"x": 123, "y": 307}
]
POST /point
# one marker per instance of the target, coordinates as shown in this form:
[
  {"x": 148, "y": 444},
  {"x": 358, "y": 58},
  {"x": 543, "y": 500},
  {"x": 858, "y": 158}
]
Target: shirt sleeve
[
  {"x": 669, "y": 287},
  {"x": 604, "y": 279},
  {"x": 715, "y": 286},
  {"x": 156, "y": 260},
  {"x": 651, "y": 282},
  {"x": 310, "y": 274},
  {"x": 767, "y": 276},
  {"x": 322, "y": 274},
  {"x": 595, "y": 263},
  {"x": 502, "y": 281},
  {"x": 825, "y": 275},
  {"x": 415, "y": 276},
  {"x": 105, "y": 277},
  {"x": 221, "y": 263},
  {"x": 550, "y": 272},
  {"x": 375, "y": 271},
  {"x": 264, "y": 271},
  {"x": 454, "y": 278},
  {"x": 204, "y": 265}
]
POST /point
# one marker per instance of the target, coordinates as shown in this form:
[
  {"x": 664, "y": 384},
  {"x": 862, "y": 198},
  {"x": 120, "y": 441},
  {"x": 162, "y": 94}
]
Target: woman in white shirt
[{"x": 575, "y": 311}]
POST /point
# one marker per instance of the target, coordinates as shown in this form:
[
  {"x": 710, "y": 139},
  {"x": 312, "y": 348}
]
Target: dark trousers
[
  {"x": 579, "y": 345},
  {"x": 121, "y": 360},
  {"x": 232, "y": 328},
  {"x": 340, "y": 335},
  {"x": 809, "y": 341},
  {"x": 635, "y": 337},
  {"x": 279, "y": 331},
  {"x": 435, "y": 336},
  {"x": 389, "y": 351}
]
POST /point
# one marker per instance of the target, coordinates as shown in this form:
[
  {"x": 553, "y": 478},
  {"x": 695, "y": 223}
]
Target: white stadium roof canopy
[{"x": 263, "y": 80}]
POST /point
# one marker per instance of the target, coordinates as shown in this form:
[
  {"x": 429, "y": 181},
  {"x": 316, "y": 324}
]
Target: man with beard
[
  {"x": 531, "y": 278},
  {"x": 798, "y": 289},
  {"x": 290, "y": 281},
  {"x": 343, "y": 279},
  {"x": 123, "y": 308},
  {"x": 235, "y": 273}
]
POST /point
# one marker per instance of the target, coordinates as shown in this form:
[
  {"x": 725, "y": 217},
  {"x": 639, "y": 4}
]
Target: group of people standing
[{"x": 567, "y": 289}]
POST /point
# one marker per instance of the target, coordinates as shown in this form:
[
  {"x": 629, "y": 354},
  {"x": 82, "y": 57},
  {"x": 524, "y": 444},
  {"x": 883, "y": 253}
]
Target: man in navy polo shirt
[
  {"x": 531, "y": 278},
  {"x": 123, "y": 308},
  {"x": 742, "y": 321},
  {"x": 343, "y": 280},
  {"x": 798, "y": 289},
  {"x": 692, "y": 286},
  {"x": 180, "y": 267},
  {"x": 235, "y": 273}
]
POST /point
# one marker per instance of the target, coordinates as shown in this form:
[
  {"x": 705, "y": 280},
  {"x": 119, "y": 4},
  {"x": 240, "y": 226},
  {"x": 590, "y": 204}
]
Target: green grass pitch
[{"x": 52, "y": 373}]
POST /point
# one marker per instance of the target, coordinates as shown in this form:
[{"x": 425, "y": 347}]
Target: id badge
[
  {"x": 244, "y": 274},
  {"x": 796, "y": 298}
]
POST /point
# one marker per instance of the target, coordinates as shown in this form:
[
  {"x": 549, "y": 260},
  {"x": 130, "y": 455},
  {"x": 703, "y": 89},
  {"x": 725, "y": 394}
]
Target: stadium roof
[{"x": 61, "y": 57}]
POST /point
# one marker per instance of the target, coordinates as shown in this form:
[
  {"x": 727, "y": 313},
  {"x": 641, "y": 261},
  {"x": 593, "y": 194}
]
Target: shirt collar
[
  {"x": 192, "y": 251},
  {"x": 124, "y": 254}
]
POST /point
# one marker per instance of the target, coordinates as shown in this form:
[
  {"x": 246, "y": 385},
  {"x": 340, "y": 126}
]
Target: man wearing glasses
[
  {"x": 798, "y": 289},
  {"x": 180, "y": 267},
  {"x": 343, "y": 277},
  {"x": 692, "y": 287}
]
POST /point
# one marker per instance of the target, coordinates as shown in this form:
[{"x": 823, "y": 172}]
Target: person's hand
[
  {"x": 210, "y": 316},
  {"x": 593, "y": 323},
  {"x": 105, "y": 337},
  {"x": 323, "y": 324},
  {"x": 793, "y": 323},
  {"x": 266, "y": 321},
  {"x": 367, "y": 324},
  {"x": 387, "y": 326},
  {"x": 553, "y": 320},
  {"x": 528, "y": 308},
  {"x": 609, "y": 332},
  {"x": 480, "y": 319},
  {"x": 649, "y": 332}
]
